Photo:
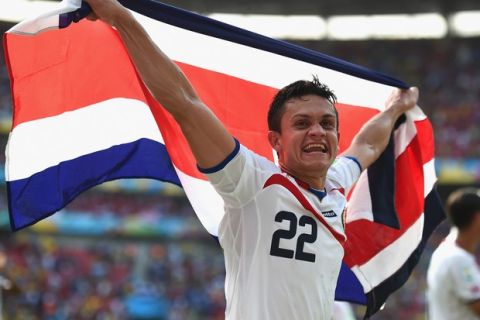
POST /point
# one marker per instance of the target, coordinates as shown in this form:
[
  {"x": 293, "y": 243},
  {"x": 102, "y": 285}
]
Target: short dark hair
[
  {"x": 462, "y": 206},
  {"x": 295, "y": 90}
]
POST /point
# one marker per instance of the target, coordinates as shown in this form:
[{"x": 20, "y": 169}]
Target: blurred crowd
[
  {"x": 126, "y": 204},
  {"x": 59, "y": 276},
  {"x": 67, "y": 278}
]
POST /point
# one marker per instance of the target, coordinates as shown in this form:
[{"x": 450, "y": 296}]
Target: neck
[
  {"x": 317, "y": 182},
  {"x": 467, "y": 241}
]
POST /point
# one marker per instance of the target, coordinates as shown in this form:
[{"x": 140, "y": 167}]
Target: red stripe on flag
[
  {"x": 425, "y": 130},
  {"x": 352, "y": 119},
  {"x": 60, "y": 76},
  {"x": 242, "y": 106},
  {"x": 62, "y": 79}
]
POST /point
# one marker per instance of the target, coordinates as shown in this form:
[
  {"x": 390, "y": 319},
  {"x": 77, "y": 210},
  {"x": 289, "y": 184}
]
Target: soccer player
[
  {"x": 453, "y": 276},
  {"x": 283, "y": 230}
]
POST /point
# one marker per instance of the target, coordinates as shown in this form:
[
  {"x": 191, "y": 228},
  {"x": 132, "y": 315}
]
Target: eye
[
  {"x": 302, "y": 123},
  {"x": 328, "y": 124}
]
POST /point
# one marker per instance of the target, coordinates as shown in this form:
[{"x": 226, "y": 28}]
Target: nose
[{"x": 316, "y": 130}]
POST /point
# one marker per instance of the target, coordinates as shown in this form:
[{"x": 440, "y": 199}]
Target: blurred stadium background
[{"x": 133, "y": 249}]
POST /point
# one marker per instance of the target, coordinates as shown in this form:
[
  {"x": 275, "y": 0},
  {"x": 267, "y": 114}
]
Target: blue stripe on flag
[
  {"x": 36, "y": 197},
  {"x": 381, "y": 182},
  {"x": 348, "y": 287}
]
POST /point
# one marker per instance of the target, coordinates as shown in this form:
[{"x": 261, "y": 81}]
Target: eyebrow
[
  {"x": 304, "y": 115},
  {"x": 329, "y": 116}
]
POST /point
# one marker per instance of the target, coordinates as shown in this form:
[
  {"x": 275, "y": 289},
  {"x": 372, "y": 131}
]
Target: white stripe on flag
[
  {"x": 47, "y": 20},
  {"x": 257, "y": 65},
  {"x": 206, "y": 202},
  {"x": 46, "y": 142},
  {"x": 429, "y": 177},
  {"x": 407, "y": 131}
]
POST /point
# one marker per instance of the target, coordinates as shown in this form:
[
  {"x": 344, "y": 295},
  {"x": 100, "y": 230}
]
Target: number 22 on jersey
[{"x": 290, "y": 233}]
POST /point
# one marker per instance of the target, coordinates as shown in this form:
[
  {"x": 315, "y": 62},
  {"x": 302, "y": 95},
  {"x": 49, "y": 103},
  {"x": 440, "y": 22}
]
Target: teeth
[{"x": 313, "y": 146}]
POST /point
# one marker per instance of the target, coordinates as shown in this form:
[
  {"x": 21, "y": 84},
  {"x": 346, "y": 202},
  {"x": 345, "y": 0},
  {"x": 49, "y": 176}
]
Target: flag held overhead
[{"x": 84, "y": 116}]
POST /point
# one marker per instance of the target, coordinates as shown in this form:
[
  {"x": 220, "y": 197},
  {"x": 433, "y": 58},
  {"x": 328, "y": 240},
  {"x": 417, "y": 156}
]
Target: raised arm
[
  {"x": 208, "y": 139},
  {"x": 373, "y": 137}
]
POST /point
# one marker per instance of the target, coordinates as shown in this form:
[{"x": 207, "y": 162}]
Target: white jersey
[
  {"x": 282, "y": 244},
  {"x": 453, "y": 280}
]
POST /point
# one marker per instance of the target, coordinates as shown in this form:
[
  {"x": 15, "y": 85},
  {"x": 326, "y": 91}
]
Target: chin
[{"x": 317, "y": 167}]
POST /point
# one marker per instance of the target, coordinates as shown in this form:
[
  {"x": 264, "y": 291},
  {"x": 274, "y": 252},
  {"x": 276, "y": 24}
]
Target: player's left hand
[{"x": 402, "y": 100}]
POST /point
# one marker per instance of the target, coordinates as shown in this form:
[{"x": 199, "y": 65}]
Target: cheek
[
  {"x": 290, "y": 146},
  {"x": 333, "y": 138},
  {"x": 291, "y": 138}
]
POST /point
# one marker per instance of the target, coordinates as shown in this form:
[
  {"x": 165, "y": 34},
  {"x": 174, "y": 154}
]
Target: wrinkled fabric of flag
[{"x": 82, "y": 116}]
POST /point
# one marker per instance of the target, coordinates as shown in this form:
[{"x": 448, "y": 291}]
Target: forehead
[{"x": 308, "y": 105}]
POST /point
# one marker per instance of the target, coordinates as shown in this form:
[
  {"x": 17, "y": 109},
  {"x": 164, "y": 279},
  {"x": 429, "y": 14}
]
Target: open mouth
[{"x": 315, "y": 147}]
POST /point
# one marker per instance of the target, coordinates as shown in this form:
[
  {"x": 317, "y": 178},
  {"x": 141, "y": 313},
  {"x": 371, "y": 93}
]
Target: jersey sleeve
[
  {"x": 240, "y": 176},
  {"x": 344, "y": 172},
  {"x": 466, "y": 280}
]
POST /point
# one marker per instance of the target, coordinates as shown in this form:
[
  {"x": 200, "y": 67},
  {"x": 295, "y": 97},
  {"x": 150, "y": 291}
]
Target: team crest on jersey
[{"x": 329, "y": 214}]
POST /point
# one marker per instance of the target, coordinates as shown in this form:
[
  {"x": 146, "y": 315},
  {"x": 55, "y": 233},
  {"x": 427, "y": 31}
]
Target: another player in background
[
  {"x": 453, "y": 277},
  {"x": 282, "y": 231}
]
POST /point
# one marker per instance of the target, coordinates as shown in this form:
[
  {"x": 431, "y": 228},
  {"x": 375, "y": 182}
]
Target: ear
[
  {"x": 338, "y": 139},
  {"x": 275, "y": 141}
]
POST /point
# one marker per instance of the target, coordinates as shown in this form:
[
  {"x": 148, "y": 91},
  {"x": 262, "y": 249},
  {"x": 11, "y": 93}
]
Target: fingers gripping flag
[{"x": 82, "y": 117}]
